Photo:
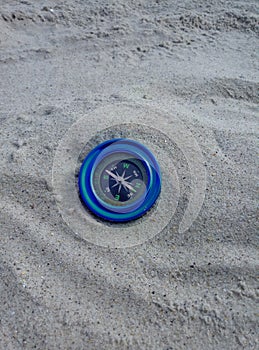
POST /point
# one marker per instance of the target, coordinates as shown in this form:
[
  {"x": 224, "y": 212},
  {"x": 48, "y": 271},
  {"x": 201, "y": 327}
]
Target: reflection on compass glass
[{"x": 119, "y": 180}]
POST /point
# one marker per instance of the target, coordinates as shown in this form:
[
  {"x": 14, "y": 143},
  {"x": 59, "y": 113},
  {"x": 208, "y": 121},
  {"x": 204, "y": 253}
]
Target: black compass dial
[{"x": 120, "y": 179}]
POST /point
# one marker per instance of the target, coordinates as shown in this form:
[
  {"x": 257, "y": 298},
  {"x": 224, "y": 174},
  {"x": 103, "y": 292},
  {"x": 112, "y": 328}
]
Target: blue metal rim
[{"x": 127, "y": 212}]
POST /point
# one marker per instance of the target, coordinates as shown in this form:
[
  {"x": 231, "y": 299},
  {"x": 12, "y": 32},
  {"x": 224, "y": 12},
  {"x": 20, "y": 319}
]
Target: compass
[{"x": 119, "y": 180}]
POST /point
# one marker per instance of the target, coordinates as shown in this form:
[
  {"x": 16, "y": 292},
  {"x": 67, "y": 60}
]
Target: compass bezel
[{"x": 127, "y": 212}]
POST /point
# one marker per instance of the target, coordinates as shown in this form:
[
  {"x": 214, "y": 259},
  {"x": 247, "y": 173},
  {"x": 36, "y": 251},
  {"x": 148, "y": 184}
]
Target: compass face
[{"x": 119, "y": 180}]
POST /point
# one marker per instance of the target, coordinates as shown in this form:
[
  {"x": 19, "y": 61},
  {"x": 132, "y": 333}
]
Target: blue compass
[{"x": 119, "y": 180}]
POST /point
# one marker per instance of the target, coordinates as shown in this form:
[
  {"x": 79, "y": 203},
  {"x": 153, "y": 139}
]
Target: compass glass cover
[{"x": 119, "y": 180}]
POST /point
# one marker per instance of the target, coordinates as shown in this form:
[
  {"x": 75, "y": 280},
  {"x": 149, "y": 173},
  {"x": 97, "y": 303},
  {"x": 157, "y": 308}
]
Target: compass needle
[
  {"x": 111, "y": 174},
  {"x": 129, "y": 186}
]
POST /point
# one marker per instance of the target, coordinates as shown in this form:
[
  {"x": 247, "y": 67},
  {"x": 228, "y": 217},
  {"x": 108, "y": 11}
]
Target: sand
[{"x": 188, "y": 71}]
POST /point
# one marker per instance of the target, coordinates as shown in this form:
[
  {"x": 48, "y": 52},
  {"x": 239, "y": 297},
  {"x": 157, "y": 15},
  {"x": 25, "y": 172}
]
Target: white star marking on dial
[{"x": 121, "y": 181}]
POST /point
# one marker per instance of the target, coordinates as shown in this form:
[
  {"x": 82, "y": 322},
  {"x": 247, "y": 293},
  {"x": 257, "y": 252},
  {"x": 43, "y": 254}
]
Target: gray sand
[{"x": 192, "y": 61}]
